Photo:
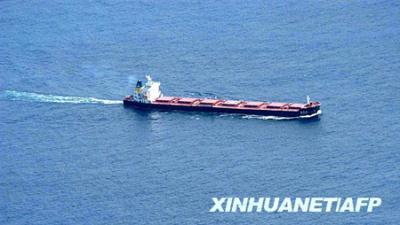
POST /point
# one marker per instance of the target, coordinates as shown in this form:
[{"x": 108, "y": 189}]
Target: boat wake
[
  {"x": 259, "y": 117},
  {"x": 36, "y": 97},
  {"x": 268, "y": 117},
  {"x": 281, "y": 118},
  {"x": 312, "y": 115}
]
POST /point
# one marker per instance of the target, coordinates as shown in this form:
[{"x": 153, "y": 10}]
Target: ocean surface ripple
[{"x": 89, "y": 160}]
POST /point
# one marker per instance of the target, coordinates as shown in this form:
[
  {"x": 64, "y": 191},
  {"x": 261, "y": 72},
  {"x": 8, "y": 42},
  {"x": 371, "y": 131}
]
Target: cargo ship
[{"x": 149, "y": 96}]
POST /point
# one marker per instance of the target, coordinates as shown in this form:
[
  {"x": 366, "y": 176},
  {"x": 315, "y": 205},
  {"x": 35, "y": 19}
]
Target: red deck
[{"x": 217, "y": 103}]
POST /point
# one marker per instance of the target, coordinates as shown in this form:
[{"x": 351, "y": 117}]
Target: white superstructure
[{"x": 147, "y": 93}]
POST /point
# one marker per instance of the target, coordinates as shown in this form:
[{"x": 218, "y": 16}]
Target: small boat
[{"x": 149, "y": 96}]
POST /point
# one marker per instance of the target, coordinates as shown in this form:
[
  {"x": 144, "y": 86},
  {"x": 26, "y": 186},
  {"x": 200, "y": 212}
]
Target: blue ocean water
[{"x": 72, "y": 154}]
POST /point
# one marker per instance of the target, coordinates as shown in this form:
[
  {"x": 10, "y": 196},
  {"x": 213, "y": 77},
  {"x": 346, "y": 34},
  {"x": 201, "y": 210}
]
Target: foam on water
[
  {"x": 268, "y": 117},
  {"x": 36, "y": 97},
  {"x": 281, "y": 118},
  {"x": 259, "y": 117}
]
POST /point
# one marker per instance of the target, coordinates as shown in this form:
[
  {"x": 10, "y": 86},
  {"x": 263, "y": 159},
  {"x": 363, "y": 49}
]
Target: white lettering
[
  {"x": 316, "y": 205},
  {"x": 217, "y": 205},
  {"x": 242, "y": 205},
  {"x": 286, "y": 205},
  {"x": 374, "y": 202},
  {"x": 329, "y": 203},
  {"x": 348, "y": 205},
  {"x": 360, "y": 203},
  {"x": 299, "y": 204},
  {"x": 274, "y": 207},
  {"x": 253, "y": 203}
]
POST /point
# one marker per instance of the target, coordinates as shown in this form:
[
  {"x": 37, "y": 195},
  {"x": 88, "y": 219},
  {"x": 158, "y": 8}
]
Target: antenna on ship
[
  {"x": 148, "y": 77},
  {"x": 308, "y": 99}
]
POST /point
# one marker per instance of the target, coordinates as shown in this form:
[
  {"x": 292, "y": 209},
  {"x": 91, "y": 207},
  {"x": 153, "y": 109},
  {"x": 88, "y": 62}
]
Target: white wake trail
[
  {"x": 258, "y": 117},
  {"x": 36, "y": 97}
]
